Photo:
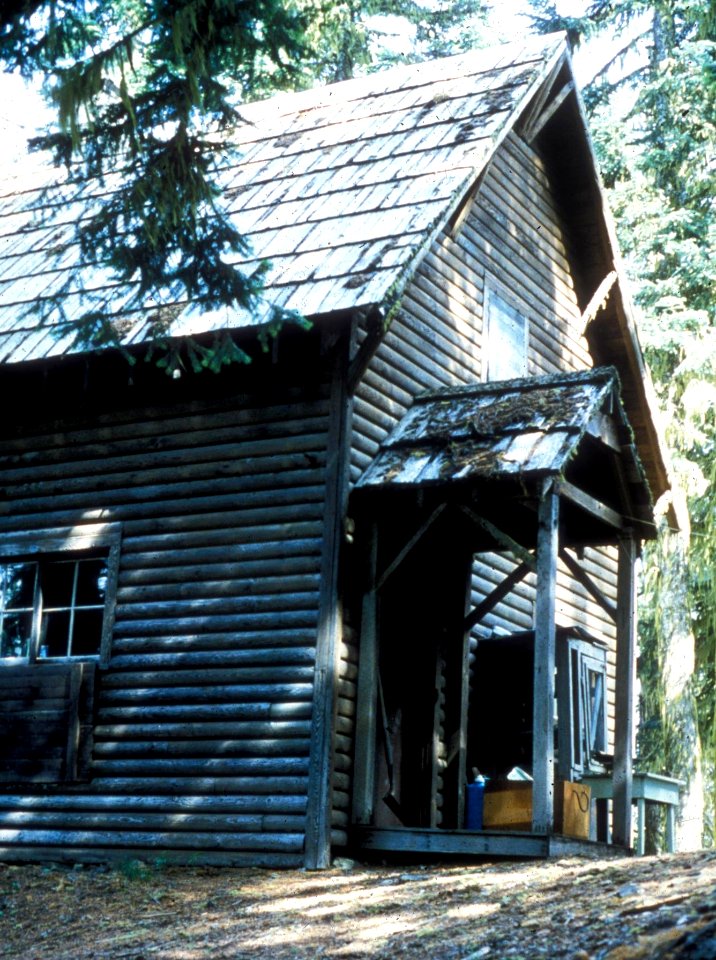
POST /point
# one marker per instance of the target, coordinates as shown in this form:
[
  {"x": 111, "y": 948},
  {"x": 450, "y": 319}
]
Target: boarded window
[
  {"x": 590, "y": 683},
  {"x": 506, "y": 339},
  {"x": 587, "y": 672}
]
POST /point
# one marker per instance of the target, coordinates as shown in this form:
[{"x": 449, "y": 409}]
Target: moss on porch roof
[{"x": 516, "y": 428}]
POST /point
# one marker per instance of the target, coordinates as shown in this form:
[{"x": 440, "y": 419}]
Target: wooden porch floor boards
[{"x": 474, "y": 843}]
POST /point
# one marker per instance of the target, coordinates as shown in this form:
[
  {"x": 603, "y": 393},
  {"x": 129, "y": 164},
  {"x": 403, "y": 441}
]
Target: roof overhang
[
  {"x": 497, "y": 442},
  {"x": 557, "y": 125}
]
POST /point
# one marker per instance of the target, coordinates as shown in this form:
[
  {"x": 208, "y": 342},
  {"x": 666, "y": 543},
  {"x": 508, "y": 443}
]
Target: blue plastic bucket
[{"x": 475, "y": 795}]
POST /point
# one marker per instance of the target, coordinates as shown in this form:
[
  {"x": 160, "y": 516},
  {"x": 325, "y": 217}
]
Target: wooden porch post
[
  {"x": 454, "y": 592},
  {"x": 544, "y": 661},
  {"x": 624, "y": 705},
  {"x": 364, "y": 762}
]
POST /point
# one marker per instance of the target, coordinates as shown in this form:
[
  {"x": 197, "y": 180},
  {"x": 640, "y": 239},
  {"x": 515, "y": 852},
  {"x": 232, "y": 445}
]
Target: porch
[{"x": 534, "y": 471}]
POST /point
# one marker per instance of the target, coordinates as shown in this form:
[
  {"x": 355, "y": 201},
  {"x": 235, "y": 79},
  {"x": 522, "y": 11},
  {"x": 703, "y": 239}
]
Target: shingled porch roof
[{"x": 514, "y": 433}]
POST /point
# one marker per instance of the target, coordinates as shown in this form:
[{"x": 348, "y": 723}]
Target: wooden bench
[{"x": 646, "y": 788}]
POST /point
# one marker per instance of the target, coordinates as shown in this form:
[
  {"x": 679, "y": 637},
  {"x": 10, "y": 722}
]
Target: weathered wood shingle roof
[
  {"x": 491, "y": 430},
  {"x": 340, "y": 188},
  {"x": 515, "y": 430}
]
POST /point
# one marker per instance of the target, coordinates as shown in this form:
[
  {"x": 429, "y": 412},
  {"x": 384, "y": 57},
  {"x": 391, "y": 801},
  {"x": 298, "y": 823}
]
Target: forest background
[{"x": 159, "y": 83}]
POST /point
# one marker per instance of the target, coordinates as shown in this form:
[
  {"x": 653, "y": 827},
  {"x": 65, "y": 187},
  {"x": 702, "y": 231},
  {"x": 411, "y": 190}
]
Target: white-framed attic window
[
  {"x": 57, "y": 594},
  {"x": 505, "y": 336}
]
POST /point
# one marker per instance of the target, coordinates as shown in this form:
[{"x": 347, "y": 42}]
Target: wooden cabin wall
[
  {"x": 203, "y": 715},
  {"x": 512, "y": 234}
]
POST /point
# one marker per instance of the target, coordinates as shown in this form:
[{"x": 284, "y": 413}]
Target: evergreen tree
[
  {"x": 346, "y": 37},
  {"x": 145, "y": 94}
]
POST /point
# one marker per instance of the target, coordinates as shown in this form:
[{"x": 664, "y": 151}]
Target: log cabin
[{"x": 263, "y": 615}]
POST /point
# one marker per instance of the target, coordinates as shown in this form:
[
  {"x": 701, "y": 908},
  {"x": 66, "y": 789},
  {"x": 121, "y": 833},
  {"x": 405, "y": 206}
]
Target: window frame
[
  {"x": 496, "y": 292},
  {"x": 583, "y": 657},
  {"x": 36, "y": 545}
]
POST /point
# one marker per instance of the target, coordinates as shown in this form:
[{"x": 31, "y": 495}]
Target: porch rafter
[{"x": 411, "y": 543}]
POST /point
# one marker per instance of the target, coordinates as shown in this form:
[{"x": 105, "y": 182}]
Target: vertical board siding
[
  {"x": 203, "y": 719},
  {"x": 513, "y": 235}
]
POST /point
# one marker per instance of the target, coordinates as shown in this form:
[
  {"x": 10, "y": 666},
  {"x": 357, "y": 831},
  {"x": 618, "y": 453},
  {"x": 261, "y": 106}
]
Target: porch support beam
[
  {"x": 376, "y": 330},
  {"x": 493, "y": 598},
  {"x": 455, "y": 651},
  {"x": 549, "y": 111},
  {"x": 544, "y": 662},
  {"x": 366, "y": 705},
  {"x": 589, "y": 585},
  {"x": 542, "y": 97},
  {"x": 502, "y": 539},
  {"x": 590, "y": 505},
  {"x": 598, "y": 300},
  {"x": 414, "y": 540},
  {"x": 624, "y": 705}
]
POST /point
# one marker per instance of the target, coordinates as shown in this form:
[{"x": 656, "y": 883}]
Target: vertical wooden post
[
  {"x": 455, "y": 595},
  {"x": 544, "y": 660},
  {"x": 462, "y": 745},
  {"x": 73, "y": 721},
  {"x": 319, "y": 808},
  {"x": 624, "y": 706},
  {"x": 366, "y": 704},
  {"x": 565, "y": 712}
]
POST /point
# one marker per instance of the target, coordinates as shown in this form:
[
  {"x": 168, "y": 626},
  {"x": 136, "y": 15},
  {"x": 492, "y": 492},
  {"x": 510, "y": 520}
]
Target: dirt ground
[{"x": 652, "y": 907}]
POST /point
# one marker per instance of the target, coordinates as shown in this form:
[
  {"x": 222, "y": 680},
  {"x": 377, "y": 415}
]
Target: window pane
[
  {"x": 55, "y": 633},
  {"x": 72, "y": 589},
  {"x": 87, "y": 633},
  {"x": 595, "y": 681},
  {"x": 17, "y": 582},
  {"x": 91, "y": 582},
  {"x": 56, "y": 579},
  {"x": 507, "y": 340},
  {"x": 15, "y": 634}
]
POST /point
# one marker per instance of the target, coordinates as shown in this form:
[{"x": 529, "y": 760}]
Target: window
[
  {"x": 506, "y": 338},
  {"x": 588, "y": 682},
  {"x": 594, "y": 687},
  {"x": 57, "y": 595}
]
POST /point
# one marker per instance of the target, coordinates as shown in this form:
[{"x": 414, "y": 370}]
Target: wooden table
[{"x": 646, "y": 788}]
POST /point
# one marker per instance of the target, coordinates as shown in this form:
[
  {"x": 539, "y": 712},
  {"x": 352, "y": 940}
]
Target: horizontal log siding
[
  {"x": 512, "y": 234},
  {"x": 204, "y": 713}
]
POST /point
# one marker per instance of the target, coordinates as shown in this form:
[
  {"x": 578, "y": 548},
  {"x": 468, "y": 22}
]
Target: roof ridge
[{"x": 325, "y": 94}]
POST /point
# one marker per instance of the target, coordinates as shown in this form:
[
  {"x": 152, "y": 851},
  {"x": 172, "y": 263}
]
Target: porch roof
[{"x": 519, "y": 430}]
